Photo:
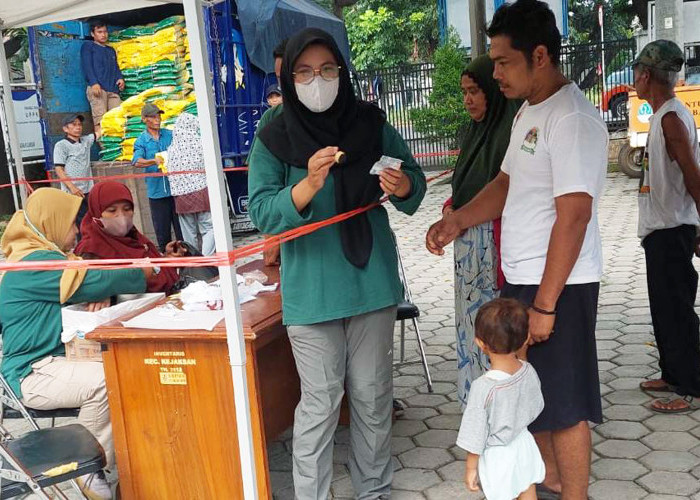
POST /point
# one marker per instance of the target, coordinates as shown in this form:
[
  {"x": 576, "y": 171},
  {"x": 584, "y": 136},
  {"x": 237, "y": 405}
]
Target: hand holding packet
[{"x": 385, "y": 162}]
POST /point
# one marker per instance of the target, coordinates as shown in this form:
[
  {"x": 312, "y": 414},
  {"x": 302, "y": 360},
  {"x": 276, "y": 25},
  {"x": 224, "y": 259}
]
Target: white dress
[{"x": 494, "y": 426}]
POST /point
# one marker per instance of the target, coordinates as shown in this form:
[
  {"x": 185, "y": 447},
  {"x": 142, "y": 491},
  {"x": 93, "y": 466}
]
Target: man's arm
[
  {"x": 139, "y": 154},
  {"x": 680, "y": 150},
  {"x": 61, "y": 174},
  {"x": 574, "y": 211},
  {"x": 486, "y": 206}
]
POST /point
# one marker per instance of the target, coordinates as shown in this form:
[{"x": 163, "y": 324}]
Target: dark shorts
[{"x": 567, "y": 363}]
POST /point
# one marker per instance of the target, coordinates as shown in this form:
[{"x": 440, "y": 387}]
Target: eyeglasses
[{"x": 328, "y": 72}]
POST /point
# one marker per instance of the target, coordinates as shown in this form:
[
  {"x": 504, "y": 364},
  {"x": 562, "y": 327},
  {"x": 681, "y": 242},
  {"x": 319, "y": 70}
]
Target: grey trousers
[
  {"x": 352, "y": 355},
  {"x": 198, "y": 222}
]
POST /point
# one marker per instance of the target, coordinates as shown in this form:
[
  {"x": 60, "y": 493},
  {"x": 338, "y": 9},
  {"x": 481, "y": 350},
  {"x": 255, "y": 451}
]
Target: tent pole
[
  {"x": 9, "y": 124},
  {"x": 194, "y": 17}
]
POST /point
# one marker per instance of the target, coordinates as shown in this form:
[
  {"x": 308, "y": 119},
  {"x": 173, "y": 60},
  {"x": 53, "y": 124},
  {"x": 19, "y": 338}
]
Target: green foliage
[
  {"x": 583, "y": 20},
  {"x": 445, "y": 115},
  {"x": 385, "y": 33}
]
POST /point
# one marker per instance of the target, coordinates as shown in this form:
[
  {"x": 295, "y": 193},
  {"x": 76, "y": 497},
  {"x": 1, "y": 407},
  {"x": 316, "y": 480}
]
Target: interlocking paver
[
  {"x": 673, "y": 461},
  {"x": 436, "y": 438},
  {"x": 415, "y": 479},
  {"x": 617, "y": 429},
  {"x": 615, "y": 490},
  {"x": 675, "y": 483},
  {"x": 618, "y": 468},
  {"x": 425, "y": 458},
  {"x": 671, "y": 441},
  {"x": 670, "y": 423},
  {"x": 616, "y": 448}
]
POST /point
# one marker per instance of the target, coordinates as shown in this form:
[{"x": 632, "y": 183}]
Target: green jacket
[
  {"x": 318, "y": 283},
  {"x": 30, "y": 311}
]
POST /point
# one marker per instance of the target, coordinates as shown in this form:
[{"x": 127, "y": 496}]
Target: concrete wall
[{"x": 458, "y": 16}]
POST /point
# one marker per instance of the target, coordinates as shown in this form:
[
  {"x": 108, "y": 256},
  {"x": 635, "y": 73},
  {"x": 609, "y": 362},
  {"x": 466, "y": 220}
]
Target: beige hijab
[{"x": 44, "y": 223}]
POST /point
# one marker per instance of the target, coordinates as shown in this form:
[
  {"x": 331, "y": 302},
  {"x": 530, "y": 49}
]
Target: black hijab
[{"x": 355, "y": 127}]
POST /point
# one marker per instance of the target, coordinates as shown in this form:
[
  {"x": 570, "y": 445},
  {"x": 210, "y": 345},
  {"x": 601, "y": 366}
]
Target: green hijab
[{"x": 485, "y": 142}]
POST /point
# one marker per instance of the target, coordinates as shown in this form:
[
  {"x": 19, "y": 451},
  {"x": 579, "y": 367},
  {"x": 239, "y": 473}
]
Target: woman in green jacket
[
  {"x": 33, "y": 361},
  {"x": 340, "y": 284}
]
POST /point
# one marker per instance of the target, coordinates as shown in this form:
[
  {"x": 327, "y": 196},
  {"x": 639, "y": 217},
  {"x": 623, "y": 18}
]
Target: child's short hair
[{"x": 502, "y": 325}]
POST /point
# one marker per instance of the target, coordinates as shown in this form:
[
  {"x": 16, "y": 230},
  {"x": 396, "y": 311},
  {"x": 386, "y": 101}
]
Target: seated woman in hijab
[
  {"x": 33, "y": 361},
  {"x": 340, "y": 284},
  {"x": 108, "y": 232}
]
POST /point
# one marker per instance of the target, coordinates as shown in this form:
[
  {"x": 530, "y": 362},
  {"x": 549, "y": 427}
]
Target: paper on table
[
  {"x": 246, "y": 293},
  {"x": 169, "y": 317}
]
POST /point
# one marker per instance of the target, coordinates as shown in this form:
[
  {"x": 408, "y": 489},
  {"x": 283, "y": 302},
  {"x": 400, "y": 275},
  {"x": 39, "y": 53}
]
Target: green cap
[
  {"x": 661, "y": 54},
  {"x": 150, "y": 109}
]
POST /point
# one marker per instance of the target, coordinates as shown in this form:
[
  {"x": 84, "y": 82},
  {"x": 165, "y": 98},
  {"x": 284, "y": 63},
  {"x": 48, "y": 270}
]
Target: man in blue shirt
[
  {"x": 151, "y": 141},
  {"x": 104, "y": 79}
]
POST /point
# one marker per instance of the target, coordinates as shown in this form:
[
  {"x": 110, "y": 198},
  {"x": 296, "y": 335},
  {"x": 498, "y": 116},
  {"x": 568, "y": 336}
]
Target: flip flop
[
  {"x": 661, "y": 388},
  {"x": 666, "y": 401},
  {"x": 544, "y": 493}
]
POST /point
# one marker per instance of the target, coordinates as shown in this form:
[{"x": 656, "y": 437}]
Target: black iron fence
[
  {"x": 401, "y": 89},
  {"x": 604, "y": 73},
  {"x": 398, "y": 91}
]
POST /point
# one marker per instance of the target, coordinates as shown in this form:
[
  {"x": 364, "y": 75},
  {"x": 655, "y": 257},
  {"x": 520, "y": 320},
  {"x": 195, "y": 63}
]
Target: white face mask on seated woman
[
  {"x": 319, "y": 94},
  {"x": 117, "y": 226}
]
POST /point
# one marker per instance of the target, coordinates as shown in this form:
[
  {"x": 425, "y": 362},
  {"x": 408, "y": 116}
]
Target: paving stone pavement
[{"x": 637, "y": 454}]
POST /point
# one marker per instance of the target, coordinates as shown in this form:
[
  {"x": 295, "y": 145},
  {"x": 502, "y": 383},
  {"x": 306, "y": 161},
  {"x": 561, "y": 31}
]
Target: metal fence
[
  {"x": 606, "y": 84},
  {"x": 398, "y": 91},
  {"x": 401, "y": 89}
]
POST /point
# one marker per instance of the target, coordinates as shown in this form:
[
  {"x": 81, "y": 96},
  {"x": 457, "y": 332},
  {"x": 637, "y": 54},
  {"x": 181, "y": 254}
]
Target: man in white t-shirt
[
  {"x": 547, "y": 194},
  {"x": 669, "y": 197}
]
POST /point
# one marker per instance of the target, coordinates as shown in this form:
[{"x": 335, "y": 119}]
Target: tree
[
  {"x": 391, "y": 32},
  {"x": 583, "y": 20},
  {"x": 445, "y": 116}
]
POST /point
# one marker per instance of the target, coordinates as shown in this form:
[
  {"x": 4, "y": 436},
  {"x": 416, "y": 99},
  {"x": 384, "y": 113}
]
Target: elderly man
[
  {"x": 669, "y": 199},
  {"x": 151, "y": 141}
]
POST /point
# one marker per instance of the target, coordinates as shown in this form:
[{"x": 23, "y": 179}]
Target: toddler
[{"x": 502, "y": 403}]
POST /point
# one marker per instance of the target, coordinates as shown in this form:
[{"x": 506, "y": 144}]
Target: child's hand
[{"x": 471, "y": 479}]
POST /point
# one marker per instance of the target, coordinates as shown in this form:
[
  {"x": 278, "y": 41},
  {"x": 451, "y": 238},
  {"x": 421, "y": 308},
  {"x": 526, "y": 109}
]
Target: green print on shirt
[{"x": 530, "y": 142}]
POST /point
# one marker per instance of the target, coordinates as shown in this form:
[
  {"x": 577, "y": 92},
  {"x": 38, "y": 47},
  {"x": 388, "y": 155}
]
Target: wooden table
[{"x": 172, "y": 405}]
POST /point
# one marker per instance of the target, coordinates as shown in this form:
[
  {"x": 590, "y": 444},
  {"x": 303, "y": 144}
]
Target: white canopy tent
[{"x": 33, "y": 12}]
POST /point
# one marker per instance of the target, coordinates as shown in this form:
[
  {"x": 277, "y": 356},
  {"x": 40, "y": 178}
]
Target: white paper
[
  {"x": 76, "y": 320},
  {"x": 246, "y": 293},
  {"x": 169, "y": 317},
  {"x": 385, "y": 162}
]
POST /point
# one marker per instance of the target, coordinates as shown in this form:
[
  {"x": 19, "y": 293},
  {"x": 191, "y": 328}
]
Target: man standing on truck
[
  {"x": 104, "y": 79},
  {"x": 669, "y": 202},
  {"x": 71, "y": 158}
]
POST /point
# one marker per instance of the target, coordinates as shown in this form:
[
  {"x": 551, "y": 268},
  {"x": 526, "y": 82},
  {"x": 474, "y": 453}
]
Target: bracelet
[{"x": 542, "y": 311}]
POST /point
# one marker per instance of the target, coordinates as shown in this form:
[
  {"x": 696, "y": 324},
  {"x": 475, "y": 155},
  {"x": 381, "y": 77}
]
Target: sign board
[
  {"x": 26, "y": 106},
  {"x": 640, "y": 111}
]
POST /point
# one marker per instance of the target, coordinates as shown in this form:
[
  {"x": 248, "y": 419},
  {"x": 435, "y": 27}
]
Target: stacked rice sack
[{"x": 155, "y": 62}]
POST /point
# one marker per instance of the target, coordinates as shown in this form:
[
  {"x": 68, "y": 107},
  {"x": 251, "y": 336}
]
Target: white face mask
[{"x": 318, "y": 95}]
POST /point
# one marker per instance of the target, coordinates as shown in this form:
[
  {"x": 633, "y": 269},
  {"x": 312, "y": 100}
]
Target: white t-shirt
[
  {"x": 557, "y": 147},
  {"x": 664, "y": 201}
]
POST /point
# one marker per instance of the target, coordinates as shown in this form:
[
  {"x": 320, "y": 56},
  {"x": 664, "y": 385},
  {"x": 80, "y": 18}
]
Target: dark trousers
[
  {"x": 673, "y": 283},
  {"x": 81, "y": 213},
  {"x": 163, "y": 216}
]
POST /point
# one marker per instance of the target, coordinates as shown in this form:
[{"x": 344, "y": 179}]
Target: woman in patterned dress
[{"x": 477, "y": 268}]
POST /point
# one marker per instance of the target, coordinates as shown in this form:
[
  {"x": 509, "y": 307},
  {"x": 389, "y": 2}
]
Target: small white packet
[{"x": 385, "y": 162}]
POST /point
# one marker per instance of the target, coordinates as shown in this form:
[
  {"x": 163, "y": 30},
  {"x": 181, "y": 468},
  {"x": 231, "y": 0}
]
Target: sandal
[
  {"x": 645, "y": 387},
  {"x": 668, "y": 401},
  {"x": 544, "y": 493}
]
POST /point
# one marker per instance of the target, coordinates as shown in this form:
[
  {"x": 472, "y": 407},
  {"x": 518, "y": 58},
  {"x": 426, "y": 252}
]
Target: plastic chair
[
  {"x": 406, "y": 311},
  {"x": 26, "y": 460}
]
